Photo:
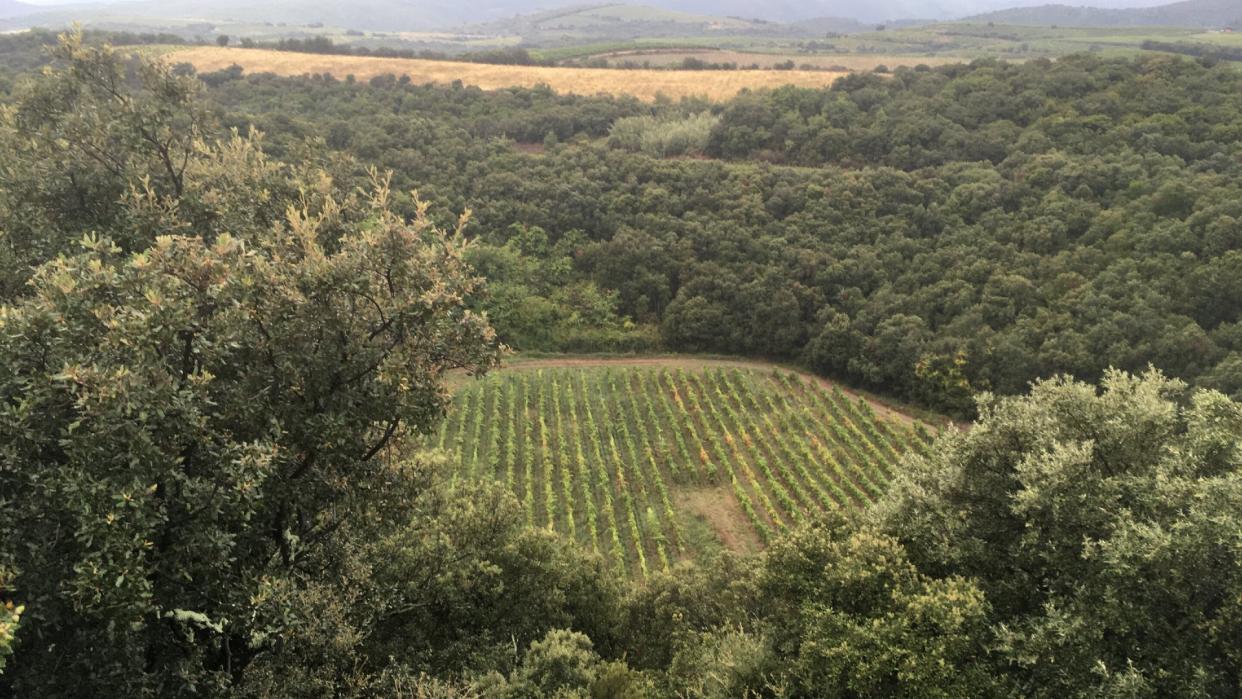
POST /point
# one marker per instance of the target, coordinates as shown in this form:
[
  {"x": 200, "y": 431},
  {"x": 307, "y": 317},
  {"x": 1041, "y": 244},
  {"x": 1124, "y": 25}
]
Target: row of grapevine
[{"x": 602, "y": 456}]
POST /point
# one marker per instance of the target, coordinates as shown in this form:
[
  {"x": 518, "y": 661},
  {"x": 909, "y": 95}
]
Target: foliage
[
  {"x": 1035, "y": 218},
  {"x": 10, "y": 619},
  {"x": 1102, "y": 528},
  {"x": 663, "y": 138},
  {"x": 854, "y": 617},
  {"x": 534, "y": 303},
  {"x": 564, "y": 665},
  {"x": 725, "y": 664},
  {"x": 458, "y": 588},
  {"x": 945, "y": 381},
  {"x": 83, "y": 139},
  {"x": 602, "y": 455},
  {"x": 26, "y": 51},
  {"x": 105, "y": 142},
  {"x": 189, "y": 429},
  {"x": 222, "y": 357}
]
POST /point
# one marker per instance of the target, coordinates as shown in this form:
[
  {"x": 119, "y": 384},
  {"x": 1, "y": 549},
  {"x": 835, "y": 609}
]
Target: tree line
[{"x": 931, "y": 234}]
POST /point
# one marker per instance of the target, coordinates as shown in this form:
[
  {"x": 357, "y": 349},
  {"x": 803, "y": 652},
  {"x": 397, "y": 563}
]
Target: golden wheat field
[{"x": 643, "y": 84}]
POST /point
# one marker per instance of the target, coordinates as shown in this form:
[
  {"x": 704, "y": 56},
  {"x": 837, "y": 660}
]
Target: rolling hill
[
  {"x": 624, "y": 22},
  {"x": 11, "y": 8},
  {"x": 649, "y": 465},
  {"x": 371, "y": 15},
  {"x": 616, "y": 22},
  {"x": 1190, "y": 13},
  {"x": 429, "y": 15},
  {"x": 376, "y": 15},
  {"x": 870, "y": 11}
]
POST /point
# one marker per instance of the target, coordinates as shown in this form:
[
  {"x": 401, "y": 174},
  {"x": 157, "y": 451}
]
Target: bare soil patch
[{"x": 721, "y": 510}]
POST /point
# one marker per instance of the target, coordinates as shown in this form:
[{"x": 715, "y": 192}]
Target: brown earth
[{"x": 720, "y": 508}]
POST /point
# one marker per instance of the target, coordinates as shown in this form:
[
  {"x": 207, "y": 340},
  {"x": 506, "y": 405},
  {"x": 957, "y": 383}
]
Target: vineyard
[{"x": 602, "y": 454}]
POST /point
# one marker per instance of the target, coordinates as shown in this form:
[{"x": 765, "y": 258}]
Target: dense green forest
[
  {"x": 226, "y": 320},
  {"x": 930, "y": 233}
]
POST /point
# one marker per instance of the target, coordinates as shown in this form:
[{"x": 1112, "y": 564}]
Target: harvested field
[{"x": 643, "y": 84}]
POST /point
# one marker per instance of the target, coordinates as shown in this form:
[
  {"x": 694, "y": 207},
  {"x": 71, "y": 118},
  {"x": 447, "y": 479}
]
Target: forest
[
  {"x": 933, "y": 233},
  {"x": 233, "y": 308}
]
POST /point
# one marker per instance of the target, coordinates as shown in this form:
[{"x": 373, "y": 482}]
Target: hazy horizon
[
  {"x": 441, "y": 15},
  {"x": 934, "y": 7}
]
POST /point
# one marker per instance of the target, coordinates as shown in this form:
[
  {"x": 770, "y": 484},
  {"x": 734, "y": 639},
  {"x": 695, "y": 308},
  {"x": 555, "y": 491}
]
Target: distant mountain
[
  {"x": 838, "y": 25},
  {"x": 1191, "y": 13},
  {"x": 866, "y": 11},
  {"x": 431, "y": 15},
  {"x": 617, "y": 22},
  {"x": 12, "y": 8},
  {"x": 371, "y": 15}
]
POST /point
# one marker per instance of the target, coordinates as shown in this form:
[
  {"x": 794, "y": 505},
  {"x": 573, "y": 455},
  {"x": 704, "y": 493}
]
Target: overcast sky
[{"x": 759, "y": 3}]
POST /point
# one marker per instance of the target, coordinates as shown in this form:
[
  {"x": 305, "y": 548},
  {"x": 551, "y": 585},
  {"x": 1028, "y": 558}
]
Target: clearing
[
  {"x": 643, "y": 84},
  {"x": 651, "y": 461}
]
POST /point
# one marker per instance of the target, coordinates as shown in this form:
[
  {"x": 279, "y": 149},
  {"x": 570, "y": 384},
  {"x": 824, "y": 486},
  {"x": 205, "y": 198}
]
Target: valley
[{"x": 684, "y": 350}]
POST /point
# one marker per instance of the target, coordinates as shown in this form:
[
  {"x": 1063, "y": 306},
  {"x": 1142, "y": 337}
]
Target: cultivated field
[
  {"x": 849, "y": 62},
  {"x": 649, "y": 465},
  {"x": 643, "y": 84}
]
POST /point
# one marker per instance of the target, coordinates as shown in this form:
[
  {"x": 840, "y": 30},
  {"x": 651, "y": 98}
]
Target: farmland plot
[{"x": 602, "y": 454}]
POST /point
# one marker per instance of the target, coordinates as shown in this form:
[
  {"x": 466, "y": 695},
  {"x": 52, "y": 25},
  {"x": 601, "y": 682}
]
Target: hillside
[
  {"x": 389, "y": 15},
  {"x": 617, "y": 22},
  {"x": 12, "y": 8},
  {"x": 522, "y": 16},
  {"x": 838, "y": 25},
  {"x": 651, "y": 465},
  {"x": 353, "y": 379},
  {"x": 867, "y": 11},
  {"x": 1190, "y": 13},
  {"x": 870, "y": 11},
  {"x": 371, "y": 15}
]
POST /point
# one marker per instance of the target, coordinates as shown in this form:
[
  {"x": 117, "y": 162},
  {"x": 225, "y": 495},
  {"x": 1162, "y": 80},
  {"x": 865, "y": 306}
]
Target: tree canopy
[
  {"x": 930, "y": 234},
  {"x": 199, "y": 418}
]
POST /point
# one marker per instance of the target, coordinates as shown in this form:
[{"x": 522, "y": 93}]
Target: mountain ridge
[
  {"x": 13, "y": 8},
  {"x": 1188, "y": 13},
  {"x": 432, "y": 15}
]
